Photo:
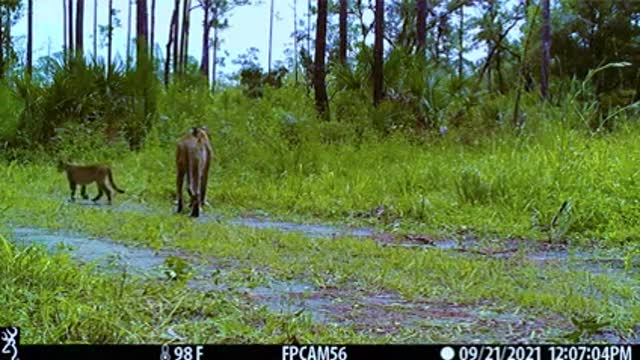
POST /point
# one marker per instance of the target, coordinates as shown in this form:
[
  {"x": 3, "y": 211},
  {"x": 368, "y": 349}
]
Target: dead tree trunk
[{"x": 322, "y": 101}]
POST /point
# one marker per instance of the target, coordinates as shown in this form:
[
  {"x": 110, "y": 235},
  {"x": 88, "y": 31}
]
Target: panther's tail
[{"x": 113, "y": 184}]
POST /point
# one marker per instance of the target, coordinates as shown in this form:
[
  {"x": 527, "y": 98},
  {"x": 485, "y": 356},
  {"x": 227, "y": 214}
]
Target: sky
[{"x": 249, "y": 27}]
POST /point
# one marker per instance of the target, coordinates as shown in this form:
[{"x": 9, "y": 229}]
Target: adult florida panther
[{"x": 193, "y": 157}]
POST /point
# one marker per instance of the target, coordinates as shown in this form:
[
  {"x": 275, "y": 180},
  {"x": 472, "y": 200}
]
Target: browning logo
[{"x": 9, "y": 340}]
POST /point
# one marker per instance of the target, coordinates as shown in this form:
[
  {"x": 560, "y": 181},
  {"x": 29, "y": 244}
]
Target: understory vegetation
[
  {"x": 554, "y": 180},
  {"x": 272, "y": 154},
  {"x": 524, "y": 151}
]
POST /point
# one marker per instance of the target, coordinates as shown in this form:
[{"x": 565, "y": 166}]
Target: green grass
[
  {"x": 56, "y": 301},
  {"x": 272, "y": 155},
  {"x": 491, "y": 183},
  {"x": 348, "y": 263},
  {"x": 505, "y": 186}
]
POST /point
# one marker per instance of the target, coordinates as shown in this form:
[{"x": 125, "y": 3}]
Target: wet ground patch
[
  {"x": 376, "y": 312},
  {"x": 598, "y": 262},
  {"x": 534, "y": 251},
  {"x": 309, "y": 230},
  {"x": 359, "y": 307}
]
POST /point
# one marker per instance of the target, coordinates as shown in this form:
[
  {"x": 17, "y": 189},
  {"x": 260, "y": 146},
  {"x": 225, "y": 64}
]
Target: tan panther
[
  {"x": 193, "y": 158},
  {"x": 85, "y": 175}
]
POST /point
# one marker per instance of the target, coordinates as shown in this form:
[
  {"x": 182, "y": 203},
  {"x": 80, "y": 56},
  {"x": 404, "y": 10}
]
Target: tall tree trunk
[
  {"x": 7, "y": 36},
  {"x": 95, "y": 30},
  {"x": 187, "y": 28},
  {"x": 6, "y": 39},
  {"x": 184, "y": 51},
  {"x": 322, "y": 102},
  {"x": 170, "y": 41},
  {"x": 270, "y": 36},
  {"x": 29, "y": 39},
  {"x": 110, "y": 38},
  {"x": 295, "y": 40},
  {"x": 489, "y": 69},
  {"x": 152, "y": 31},
  {"x": 2, "y": 48},
  {"x": 129, "y": 37},
  {"x": 176, "y": 37},
  {"x": 214, "y": 60},
  {"x": 516, "y": 119},
  {"x": 343, "y": 32},
  {"x": 378, "y": 52},
  {"x": 546, "y": 49},
  {"x": 64, "y": 29},
  {"x": 70, "y": 21},
  {"x": 144, "y": 71},
  {"x": 461, "y": 42},
  {"x": 141, "y": 34},
  {"x": 79, "y": 28},
  {"x": 364, "y": 30},
  {"x": 309, "y": 26},
  {"x": 206, "y": 26},
  {"x": 501, "y": 85},
  {"x": 421, "y": 25}
]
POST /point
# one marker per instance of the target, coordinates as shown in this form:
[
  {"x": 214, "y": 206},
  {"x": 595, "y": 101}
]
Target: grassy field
[
  {"x": 55, "y": 300},
  {"x": 274, "y": 160},
  {"x": 263, "y": 256}
]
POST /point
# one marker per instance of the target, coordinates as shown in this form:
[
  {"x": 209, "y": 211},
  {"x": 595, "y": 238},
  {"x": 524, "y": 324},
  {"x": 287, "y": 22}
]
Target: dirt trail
[
  {"x": 309, "y": 230},
  {"x": 596, "y": 262},
  {"x": 375, "y": 311},
  {"x": 381, "y": 312}
]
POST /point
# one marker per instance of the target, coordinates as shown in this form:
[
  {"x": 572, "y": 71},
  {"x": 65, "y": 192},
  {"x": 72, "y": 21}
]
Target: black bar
[{"x": 329, "y": 352}]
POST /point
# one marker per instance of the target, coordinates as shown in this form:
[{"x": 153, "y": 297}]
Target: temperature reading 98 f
[{"x": 178, "y": 352}]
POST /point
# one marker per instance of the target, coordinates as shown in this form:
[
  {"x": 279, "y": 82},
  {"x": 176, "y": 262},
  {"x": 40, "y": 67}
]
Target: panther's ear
[{"x": 194, "y": 131}]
